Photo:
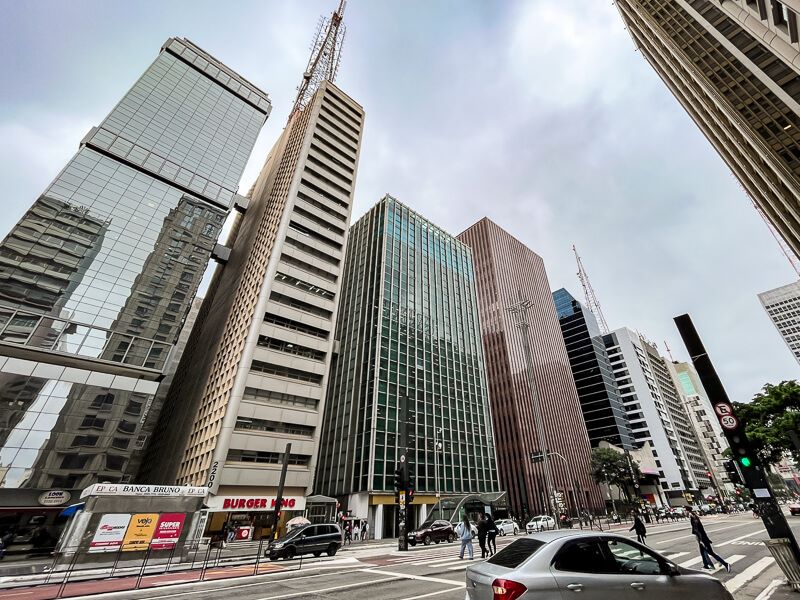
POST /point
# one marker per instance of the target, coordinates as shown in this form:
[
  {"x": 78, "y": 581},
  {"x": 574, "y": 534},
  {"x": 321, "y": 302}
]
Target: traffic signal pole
[
  {"x": 401, "y": 476},
  {"x": 747, "y": 461}
]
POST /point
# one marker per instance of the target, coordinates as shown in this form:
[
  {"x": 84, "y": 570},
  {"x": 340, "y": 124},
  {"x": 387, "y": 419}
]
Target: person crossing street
[
  {"x": 640, "y": 529},
  {"x": 464, "y": 533},
  {"x": 706, "y": 551}
]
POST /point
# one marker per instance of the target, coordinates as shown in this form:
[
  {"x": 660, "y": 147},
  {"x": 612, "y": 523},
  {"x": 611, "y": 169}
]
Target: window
[
  {"x": 516, "y": 553},
  {"x": 632, "y": 559},
  {"x": 290, "y": 348},
  {"x": 582, "y": 556},
  {"x": 102, "y": 402},
  {"x": 85, "y": 440},
  {"x": 114, "y": 463},
  {"x": 74, "y": 461},
  {"x": 243, "y": 423},
  {"x": 92, "y": 422}
]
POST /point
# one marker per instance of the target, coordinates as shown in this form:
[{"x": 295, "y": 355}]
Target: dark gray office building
[
  {"x": 97, "y": 278},
  {"x": 594, "y": 378}
]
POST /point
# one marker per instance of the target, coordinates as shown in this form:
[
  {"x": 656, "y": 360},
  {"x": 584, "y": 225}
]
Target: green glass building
[{"x": 407, "y": 327}]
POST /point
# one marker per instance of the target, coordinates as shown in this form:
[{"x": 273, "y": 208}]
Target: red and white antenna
[
  {"x": 591, "y": 300},
  {"x": 326, "y": 52}
]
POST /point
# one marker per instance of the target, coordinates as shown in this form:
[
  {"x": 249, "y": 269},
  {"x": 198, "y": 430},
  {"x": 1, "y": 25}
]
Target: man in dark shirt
[{"x": 483, "y": 529}]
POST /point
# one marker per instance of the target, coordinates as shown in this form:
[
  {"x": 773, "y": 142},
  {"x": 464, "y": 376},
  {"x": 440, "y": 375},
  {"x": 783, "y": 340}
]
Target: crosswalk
[{"x": 750, "y": 565}]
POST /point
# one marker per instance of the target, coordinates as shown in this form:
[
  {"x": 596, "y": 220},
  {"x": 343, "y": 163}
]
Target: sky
[{"x": 538, "y": 114}]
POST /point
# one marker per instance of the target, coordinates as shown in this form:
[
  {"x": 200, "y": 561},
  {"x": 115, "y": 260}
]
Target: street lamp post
[
  {"x": 569, "y": 475},
  {"x": 519, "y": 312}
]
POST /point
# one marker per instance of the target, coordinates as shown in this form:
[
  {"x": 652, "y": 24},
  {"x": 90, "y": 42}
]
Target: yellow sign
[{"x": 140, "y": 532}]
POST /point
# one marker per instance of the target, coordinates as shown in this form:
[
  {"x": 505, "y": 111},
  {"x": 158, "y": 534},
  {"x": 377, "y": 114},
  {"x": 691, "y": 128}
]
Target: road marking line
[
  {"x": 429, "y": 594},
  {"x": 730, "y": 560},
  {"x": 674, "y": 555},
  {"x": 767, "y": 592},
  {"x": 330, "y": 589},
  {"x": 416, "y": 577},
  {"x": 692, "y": 535},
  {"x": 749, "y": 573},
  {"x": 741, "y": 537},
  {"x": 691, "y": 562}
]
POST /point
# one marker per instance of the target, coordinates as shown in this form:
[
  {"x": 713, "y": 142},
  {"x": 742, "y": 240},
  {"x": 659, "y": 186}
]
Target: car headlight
[{"x": 277, "y": 545}]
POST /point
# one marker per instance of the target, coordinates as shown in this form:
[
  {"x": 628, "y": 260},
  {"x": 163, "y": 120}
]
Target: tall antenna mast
[
  {"x": 793, "y": 259},
  {"x": 326, "y": 52},
  {"x": 591, "y": 300}
]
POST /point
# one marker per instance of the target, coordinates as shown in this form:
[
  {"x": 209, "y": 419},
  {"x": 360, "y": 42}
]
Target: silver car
[{"x": 556, "y": 565}]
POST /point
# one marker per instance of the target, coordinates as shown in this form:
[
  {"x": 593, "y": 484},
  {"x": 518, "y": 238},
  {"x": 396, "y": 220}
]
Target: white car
[
  {"x": 540, "y": 523},
  {"x": 506, "y": 526}
]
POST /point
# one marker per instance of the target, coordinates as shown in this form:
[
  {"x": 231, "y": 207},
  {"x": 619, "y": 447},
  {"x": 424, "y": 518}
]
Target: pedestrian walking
[
  {"x": 640, "y": 529},
  {"x": 483, "y": 529},
  {"x": 706, "y": 551},
  {"x": 464, "y": 533},
  {"x": 348, "y": 534},
  {"x": 365, "y": 531},
  {"x": 491, "y": 534},
  {"x": 356, "y": 532}
]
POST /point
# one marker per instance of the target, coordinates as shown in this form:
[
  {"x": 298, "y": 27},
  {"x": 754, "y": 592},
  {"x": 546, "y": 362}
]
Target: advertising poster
[
  {"x": 140, "y": 532},
  {"x": 168, "y": 530},
  {"x": 110, "y": 533}
]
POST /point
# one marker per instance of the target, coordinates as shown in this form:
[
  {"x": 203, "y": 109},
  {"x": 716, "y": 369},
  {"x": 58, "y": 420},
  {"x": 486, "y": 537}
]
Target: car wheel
[
  {"x": 289, "y": 555},
  {"x": 412, "y": 542},
  {"x": 516, "y": 531},
  {"x": 426, "y": 540},
  {"x": 331, "y": 551},
  {"x": 450, "y": 538}
]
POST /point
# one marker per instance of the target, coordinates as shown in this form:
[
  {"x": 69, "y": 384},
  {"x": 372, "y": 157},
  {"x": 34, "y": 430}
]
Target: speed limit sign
[{"x": 729, "y": 422}]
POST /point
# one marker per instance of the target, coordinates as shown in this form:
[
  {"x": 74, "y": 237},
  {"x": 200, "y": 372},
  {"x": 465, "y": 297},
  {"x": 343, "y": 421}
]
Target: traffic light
[
  {"x": 398, "y": 479},
  {"x": 733, "y": 472},
  {"x": 410, "y": 492},
  {"x": 745, "y": 461}
]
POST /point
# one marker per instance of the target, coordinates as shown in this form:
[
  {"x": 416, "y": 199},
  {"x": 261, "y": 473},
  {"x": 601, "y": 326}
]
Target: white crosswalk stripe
[
  {"x": 674, "y": 555},
  {"x": 731, "y": 560},
  {"x": 749, "y": 573}
]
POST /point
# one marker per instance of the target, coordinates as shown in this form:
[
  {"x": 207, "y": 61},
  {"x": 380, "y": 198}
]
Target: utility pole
[
  {"x": 747, "y": 461},
  {"x": 281, "y": 483},
  {"x": 519, "y": 312}
]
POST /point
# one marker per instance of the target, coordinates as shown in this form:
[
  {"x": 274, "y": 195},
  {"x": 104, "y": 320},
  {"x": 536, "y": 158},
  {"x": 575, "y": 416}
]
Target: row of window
[
  {"x": 279, "y": 397},
  {"x": 290, "y": 348},
  {"x": 295, "y": 326},
  {"x": 274, "y": 458},
  {"x": 258, "y": 366},
  {"x": 244, "y": 423}
]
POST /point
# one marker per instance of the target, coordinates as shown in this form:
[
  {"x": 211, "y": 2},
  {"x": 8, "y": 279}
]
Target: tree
[
  {"x": 612, "y": 468},
  {"x": 772, "y": 420}
]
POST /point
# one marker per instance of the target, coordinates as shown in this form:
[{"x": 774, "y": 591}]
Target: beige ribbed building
[
  {"x": 254, "y": 373},
  {"x": 734, "y": 66}
]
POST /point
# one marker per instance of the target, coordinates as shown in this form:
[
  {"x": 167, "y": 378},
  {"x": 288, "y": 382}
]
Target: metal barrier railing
[{"x": 132, "y": 570}]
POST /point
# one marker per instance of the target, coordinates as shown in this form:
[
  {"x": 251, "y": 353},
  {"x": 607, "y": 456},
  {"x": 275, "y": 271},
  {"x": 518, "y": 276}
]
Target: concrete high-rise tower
[
  {"x": 735, "y": 68},
  {"x": 97, "y": 278},
  {"x": 506, "y": 269},
  {"x": 783, "y": 307},
  {"x": 253, "y": 374}
]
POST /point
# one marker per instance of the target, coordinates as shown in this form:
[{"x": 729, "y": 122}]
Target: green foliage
[
  {"x": 612, "y": 467},
  {"x": 771, "y": 419}
]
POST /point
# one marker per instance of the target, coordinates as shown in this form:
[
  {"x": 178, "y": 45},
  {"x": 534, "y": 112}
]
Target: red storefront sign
[
  {"x": 168, "y": 530},
  {"x": 254, "y": 503}
]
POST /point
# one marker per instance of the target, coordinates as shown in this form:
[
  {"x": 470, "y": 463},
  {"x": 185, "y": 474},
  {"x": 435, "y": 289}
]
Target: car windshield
[
  {"x": 516, "y": 553},
  {"x": 293, "y": 533}
]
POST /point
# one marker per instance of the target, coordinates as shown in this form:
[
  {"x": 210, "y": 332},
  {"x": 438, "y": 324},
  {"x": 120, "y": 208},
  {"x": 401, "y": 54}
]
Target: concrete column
[
  {"x": 378, "y": 522},
  {"x": 422, "y": 514}
]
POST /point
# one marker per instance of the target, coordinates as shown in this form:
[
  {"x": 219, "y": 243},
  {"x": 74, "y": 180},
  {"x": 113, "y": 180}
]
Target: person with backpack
[{"x": 464, "y": 533}]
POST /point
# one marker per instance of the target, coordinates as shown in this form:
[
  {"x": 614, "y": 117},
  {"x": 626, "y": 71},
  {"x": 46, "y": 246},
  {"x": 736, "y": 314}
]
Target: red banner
[{"x": 168, "y": 530}]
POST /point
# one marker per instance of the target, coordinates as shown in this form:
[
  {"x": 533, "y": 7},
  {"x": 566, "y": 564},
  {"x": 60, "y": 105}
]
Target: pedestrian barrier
[
  {"x": 70, "y": 573},
  {"x": 781, "y": 550}
]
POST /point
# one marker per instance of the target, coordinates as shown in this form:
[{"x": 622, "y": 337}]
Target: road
[{"x": 380, "y": 572}]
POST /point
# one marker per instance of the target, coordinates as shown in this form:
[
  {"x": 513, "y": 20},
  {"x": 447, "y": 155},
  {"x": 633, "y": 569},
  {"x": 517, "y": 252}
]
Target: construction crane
[
  {"x": 326, "y": 52},
  {"x": 591, "y": 300}
]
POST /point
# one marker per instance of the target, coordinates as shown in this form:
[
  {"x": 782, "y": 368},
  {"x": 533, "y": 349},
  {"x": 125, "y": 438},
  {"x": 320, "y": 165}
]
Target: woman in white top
[{"x": 464, "y": 533}]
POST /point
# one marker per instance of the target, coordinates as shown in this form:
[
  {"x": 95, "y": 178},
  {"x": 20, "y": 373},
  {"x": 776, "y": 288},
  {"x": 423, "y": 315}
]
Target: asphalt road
[{"x": 380, "y": 572}]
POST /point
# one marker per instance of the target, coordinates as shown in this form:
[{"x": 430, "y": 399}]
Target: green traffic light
[{"x": 746, "y": 462}]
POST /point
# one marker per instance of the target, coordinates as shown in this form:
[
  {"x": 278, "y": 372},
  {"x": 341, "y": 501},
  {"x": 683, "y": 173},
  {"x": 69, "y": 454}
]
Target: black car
[
  {"x": 437, "y": 531},
  {"x": 308, "y": 539}
]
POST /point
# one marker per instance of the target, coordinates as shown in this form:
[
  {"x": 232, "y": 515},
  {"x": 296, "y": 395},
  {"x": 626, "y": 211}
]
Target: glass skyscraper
[
  {"x": 594, "y": 378},
  {"x": 408, "y": 331},
  {"x": 98, "y": 276}
]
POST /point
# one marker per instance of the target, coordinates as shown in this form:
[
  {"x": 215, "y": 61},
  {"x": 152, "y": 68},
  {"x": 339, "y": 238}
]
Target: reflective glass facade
[
  {"x": 408, "y": 327},
  {"x": 506, "y": 271},
  {"x": 602, "y": 407},
  {"x": 97, "y": 278}
]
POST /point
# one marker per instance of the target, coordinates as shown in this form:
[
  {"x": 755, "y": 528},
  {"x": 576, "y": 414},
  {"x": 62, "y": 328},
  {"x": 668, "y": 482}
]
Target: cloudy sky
[{"x": 538, "y": 114}]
